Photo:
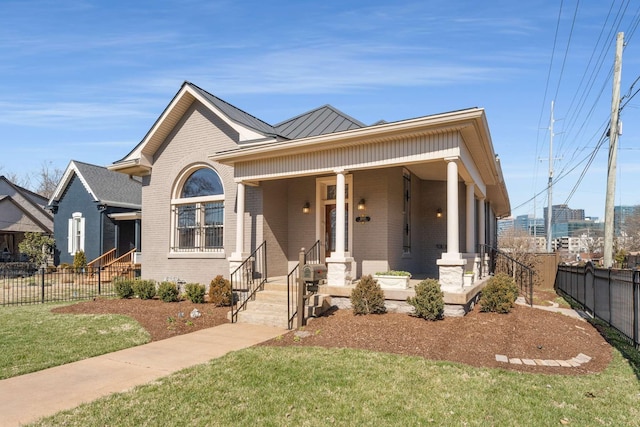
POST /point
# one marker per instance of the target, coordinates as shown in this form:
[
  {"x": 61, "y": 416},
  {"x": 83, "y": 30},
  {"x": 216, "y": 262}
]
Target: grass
[
  {"x": 32, "y": 338},
  {"x": 313, "y": 386}
]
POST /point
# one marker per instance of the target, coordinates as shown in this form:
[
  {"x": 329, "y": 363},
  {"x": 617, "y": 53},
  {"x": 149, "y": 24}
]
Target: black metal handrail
[
  {"x": 501, "y": 262},
  {"x": 247, "y": 279},
  {"x": 311, "y": 256}
]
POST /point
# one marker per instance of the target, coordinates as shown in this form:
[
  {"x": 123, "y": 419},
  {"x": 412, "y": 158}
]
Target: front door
[{"x": 330, "y": 228}]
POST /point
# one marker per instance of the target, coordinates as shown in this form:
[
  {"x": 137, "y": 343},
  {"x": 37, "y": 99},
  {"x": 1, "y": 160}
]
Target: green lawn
[
  {"x": 32, "y": 338},
  {"x": 265, "y": 386}
]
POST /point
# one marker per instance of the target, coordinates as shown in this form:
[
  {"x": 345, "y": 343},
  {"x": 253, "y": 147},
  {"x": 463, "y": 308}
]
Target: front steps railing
[{"x": 247, "y": 279}]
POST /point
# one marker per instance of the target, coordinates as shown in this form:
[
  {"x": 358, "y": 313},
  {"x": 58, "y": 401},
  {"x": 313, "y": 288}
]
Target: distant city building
[{"x": 620, "y": 214}]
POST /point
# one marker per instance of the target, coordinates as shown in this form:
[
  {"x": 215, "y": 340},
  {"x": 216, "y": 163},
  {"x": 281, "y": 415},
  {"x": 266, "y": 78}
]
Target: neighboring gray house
[
  {"x": 418, "y": 195},
  {"x": 95, "y": 210},
  {"x": 21, "y": 211}
]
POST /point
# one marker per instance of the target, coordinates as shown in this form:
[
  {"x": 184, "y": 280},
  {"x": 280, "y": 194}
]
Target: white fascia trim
[
  {"x": 470, "y": 167},
  {"x": 245, "y": 134},
  {"x": 447, "y": 120},
  {"x": 66, "y": 178}
]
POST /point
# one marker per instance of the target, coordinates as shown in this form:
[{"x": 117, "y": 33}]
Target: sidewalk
[{"x": 26, "y": 398}]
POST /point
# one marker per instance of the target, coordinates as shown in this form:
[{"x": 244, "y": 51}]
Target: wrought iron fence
[
  {"x": 24, "y": 283},
  {"x": 611, "y": 295},
  {"x": 498, "y": 261}
]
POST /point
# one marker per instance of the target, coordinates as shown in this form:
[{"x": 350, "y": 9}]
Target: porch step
[{"x": 270, "y": 307}]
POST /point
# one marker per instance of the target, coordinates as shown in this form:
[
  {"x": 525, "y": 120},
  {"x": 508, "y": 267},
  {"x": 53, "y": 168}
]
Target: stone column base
[
  {"x": 235, "y": 260},
  {"x": 339, "y": 271},
  {"x": 451, "y": 275}
]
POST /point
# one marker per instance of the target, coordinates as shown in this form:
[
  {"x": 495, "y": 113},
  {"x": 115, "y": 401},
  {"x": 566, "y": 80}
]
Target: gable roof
[
  {"x": 104, "y": 186},
  {"x": 321, "y": 121},
  {"x": 26, "y": 193},
  {"x": 27, "y": 222}
]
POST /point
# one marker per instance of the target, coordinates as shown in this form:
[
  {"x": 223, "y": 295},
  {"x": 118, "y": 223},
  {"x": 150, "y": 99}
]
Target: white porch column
[
  {"x": 481, "y": 222},
  {"x": 238, "y": 256},
  {"x": 340, "y": 264},
  {"x": 471, "y": 218},
  {"x": 453, "y": 215},
  {"x": 451, "y": 265},
  {"x": 340, "y": 225},
  {"x": 481, "y": 234}
]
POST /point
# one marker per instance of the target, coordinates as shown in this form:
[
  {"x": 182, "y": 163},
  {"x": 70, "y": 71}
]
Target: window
[
  {"x": 198, "y": 213},
  {"x": 75, "y": 233},
  {"x": 406, "y": 232}
]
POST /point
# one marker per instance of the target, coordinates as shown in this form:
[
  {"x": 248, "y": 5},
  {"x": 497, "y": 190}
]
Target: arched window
[{"x": 198, "y": 212}]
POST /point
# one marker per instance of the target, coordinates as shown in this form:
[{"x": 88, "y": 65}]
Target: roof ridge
[
  {"x": 227, "y": 103},
  {"x": 329, "y": 106}
]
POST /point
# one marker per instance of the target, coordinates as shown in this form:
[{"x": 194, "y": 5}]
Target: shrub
[
  {"x": 168, "y": 292},
  {"x": 144, "y": 289},
  {"x": 79, "y": 260},
  {"x": 123, "y": 287},
  {"x": 195, "y": 292},
  {"x": 220, "y": 291},
  {"x": 499, "y": 294},
  {"x": 429, "y": 300},
  {"x": 393, "y": 273},
  {"x": 367, "y": 297}
]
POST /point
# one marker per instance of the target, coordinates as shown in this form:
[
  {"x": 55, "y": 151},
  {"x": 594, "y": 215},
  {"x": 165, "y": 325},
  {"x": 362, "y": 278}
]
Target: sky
[{"x": 85, "y": 80}]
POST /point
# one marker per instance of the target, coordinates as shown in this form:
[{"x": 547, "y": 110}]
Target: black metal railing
[
  {"x": 312, "y": 256},
  {"x": 498, "y": 261},
  {"x": 24, "y": 283},
  {"x": 611, "y": 295},
  {"x": 247, "y": 279}
]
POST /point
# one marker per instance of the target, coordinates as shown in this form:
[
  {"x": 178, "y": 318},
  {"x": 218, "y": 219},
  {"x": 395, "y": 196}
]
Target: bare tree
[
  {"x": 47, "y": 179},
  {"x": 14, "y": 178}
]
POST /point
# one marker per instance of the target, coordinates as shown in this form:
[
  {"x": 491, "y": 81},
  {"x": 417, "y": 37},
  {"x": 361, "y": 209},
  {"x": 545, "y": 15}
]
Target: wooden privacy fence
[{"x": 611, "y": 295}]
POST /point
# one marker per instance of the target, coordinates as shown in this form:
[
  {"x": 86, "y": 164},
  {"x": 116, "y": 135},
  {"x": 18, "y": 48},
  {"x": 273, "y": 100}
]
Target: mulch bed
[{"x": 473, "y": 340}]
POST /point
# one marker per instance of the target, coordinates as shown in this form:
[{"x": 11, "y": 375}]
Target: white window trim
[{"x": 76, "y": 228}]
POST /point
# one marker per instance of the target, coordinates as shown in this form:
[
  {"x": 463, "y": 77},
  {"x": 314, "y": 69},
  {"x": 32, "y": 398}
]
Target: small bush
[
  {"x": 429, "y": 300},
  {"x": 79, "y": 260},
  {"x": 195, "y": 292},
  {"x": 144, "y": 289},
  {"x": 168, "y": 292},
  {"x": 220, "y": 292},
  {"x": 499, "y": 294},
  {"x": 393, "y": 273},
  {"x": 123, "y": 287},
  {"x": 367, "y": 297}
]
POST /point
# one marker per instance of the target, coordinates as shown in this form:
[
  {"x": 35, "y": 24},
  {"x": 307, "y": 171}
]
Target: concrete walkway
[
  {"x": 576, "y": 314},
  {"x": 28, "y": 397}
]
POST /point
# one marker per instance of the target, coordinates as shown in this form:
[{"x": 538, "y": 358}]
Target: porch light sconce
[
  {"x": 361, "y": 205},
  {"x": 306, "y": 208},
  {"x": 439, "y": 213}
]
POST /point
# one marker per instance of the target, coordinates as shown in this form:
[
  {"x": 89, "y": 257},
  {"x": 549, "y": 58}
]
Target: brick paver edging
[{"x": 571, "y": 363}]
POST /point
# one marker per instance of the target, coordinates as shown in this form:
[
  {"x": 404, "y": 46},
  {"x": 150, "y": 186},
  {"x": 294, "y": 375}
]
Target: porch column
[
  {"x": 240, "y": 220},
  {"x": 481, "y": 222},
  {"x": 453, "y": 215},
  {"x": 340, "y": 200},
  {"x": 451, "y": 265},
  {"x": 340, "y": 264},
  {"x": 471, "y": 218},
  {"x": 239, "y": 255},
  {"x": 481, "y": 234}
]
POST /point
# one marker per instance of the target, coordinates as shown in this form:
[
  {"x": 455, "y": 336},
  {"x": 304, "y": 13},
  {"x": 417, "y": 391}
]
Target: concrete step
[
  {"x": 278, "y": 320},
  {"x": 271, "y": 296}
]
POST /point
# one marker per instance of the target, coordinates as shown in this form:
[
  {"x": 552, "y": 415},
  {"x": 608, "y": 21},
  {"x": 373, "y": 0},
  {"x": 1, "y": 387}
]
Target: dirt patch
[
  {"x": 525, "y": 333},
  {"x": 161, "y": 319}
]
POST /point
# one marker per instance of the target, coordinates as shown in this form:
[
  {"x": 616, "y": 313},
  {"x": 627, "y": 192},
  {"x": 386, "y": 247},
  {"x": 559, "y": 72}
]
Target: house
[
  {"x": 96, "y": 211},
  {"x": 419, "y": 195},
  {"x": 21, "y": 211}
]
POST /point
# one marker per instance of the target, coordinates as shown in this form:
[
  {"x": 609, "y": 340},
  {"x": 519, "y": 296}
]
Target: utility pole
[
  {"x": 550, "y": 185},
  {"x": 613, "y": 155}
]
